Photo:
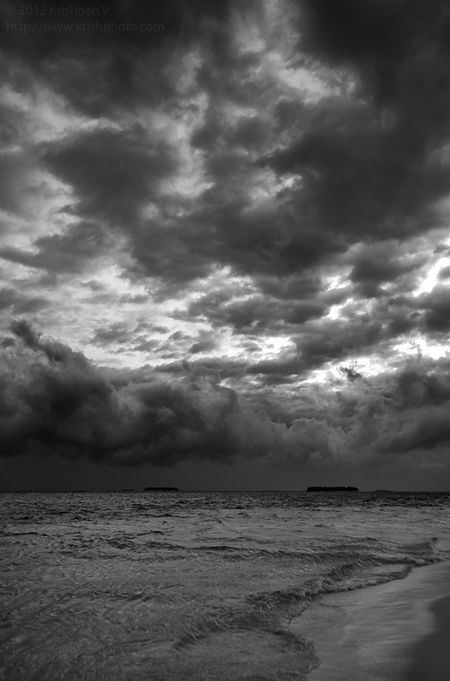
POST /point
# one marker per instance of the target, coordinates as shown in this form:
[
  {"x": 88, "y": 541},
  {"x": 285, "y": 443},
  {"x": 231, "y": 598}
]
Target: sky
[{"x": 224, "y": 244}]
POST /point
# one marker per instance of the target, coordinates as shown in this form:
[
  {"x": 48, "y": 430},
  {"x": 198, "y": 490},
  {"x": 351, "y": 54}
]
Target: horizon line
[{"x": 219, "y": 491}]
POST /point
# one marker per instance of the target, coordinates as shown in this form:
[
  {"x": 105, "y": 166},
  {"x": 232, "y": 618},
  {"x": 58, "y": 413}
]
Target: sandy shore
[
  {"x": 431, "y": 656},
  {"x": 399, "y": 631}
]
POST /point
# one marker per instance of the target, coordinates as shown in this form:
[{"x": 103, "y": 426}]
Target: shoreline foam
[{"x": 381, "y": 633}]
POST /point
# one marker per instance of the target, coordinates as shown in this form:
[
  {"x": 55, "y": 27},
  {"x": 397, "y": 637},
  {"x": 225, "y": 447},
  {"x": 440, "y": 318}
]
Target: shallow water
[
  {"x": 374, "y": 634},
  {"x": 192, "y": 586}
]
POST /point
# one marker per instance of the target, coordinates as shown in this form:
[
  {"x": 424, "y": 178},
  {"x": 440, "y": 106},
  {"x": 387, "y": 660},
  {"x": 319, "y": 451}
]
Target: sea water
[{"x": 201, "y": 586}]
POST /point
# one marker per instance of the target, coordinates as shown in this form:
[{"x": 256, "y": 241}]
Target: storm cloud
[
  {"x": 240, "y": 209},
  {"x": 59, "y": 402}
]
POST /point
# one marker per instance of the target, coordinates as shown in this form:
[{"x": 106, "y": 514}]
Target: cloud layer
[
  {"x": 234, "y": 201},
  {"x": 60, "y": 403}
]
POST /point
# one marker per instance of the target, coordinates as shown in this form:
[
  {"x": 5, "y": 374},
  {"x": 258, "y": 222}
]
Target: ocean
[{"x": 201, "y": 586}]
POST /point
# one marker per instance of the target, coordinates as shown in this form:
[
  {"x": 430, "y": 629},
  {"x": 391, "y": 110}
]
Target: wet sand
[
  {"x": 399, "y": 631},
  {"x": 431, "y": 656}
]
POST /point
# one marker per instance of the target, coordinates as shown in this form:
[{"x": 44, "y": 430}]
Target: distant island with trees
[
  {"x": 161, "y": 489},
  {"x": 332, "y": 489}
]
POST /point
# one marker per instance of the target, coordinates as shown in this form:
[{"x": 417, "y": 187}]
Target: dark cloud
[
  {"x": 143, "y": 344},
  {"x": 201, "y": 346},
  {"x": 255, "y": 314},
  {"x": 444, "y": 273},
  {"x": 205, "y": 343},
  {"x": 216, "y": 367},
  {"x": 114, "y": 176},
  {"x": 250, "y": 132},
  {"x": 428, "y": 312},
  {"x": 130, "y": 337},
  {"x": 111, "y": 172},
  {"x": 20, "y": 303},
  {"x": 377, "y": 39},
  {"x": 14, "y": 171},
  {"x": 118, "y": 332},
  {"x": 437, "y": 308},
  {"x": 304, "y": 285},
  {"x": 59, "y": 402},
  {"x": 285, "y": 366},
  {"x": 67, "y": 252},
  {"x": 360, "y": 173},
  {"x": 418, "y": 400},
  {"x": 325, "y": 341},
  {"x": 279, "y": 239},
  {"x": 416, "y": 388},
  {"x": 258, "y": 167},
  {"x": 401, "y": 316},
  {"x": 369, "y": 168},
  {"x": 358, "y": 176},
  {"x": 119, "y": 56},
  {"x": 376, "y": 264},
  {"x": 432, "y": 430}
]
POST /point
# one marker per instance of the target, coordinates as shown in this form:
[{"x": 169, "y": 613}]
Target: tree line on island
[
  {"x": 161, "y": 489},
  {"x": 319, "y": 488},
  {"x": 332, "y": 489}
]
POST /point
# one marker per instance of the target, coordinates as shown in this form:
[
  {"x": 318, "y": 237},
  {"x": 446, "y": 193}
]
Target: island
[
  {"x": 161, "y": 489},
  {"x": 332, "y": 489}
]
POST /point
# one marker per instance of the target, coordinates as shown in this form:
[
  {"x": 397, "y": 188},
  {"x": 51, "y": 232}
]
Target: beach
[
  {"x": 223, "y": 586},
  {"x": 431, "y": 657},
  {"x": 398, "y": 631}
]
